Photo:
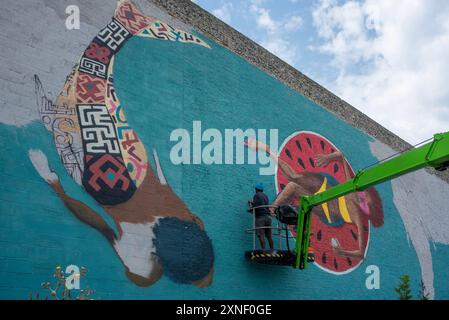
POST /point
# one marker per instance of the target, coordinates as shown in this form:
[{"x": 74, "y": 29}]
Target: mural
[
  {"x": 307, "y": 164},
  {"x": 157, "y": 233},
  {"x": 93, "y": 164}
]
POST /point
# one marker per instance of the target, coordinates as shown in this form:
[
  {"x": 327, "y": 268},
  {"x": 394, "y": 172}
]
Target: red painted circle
[{"x": 299, "y": 151}]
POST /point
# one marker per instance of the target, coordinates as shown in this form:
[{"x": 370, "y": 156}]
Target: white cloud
[
  {"x": 392, "y": 60},
  {"x": 224, "y": 12},
  {"x": 263, "y": 17},
  {"x": 273, "y": 38},
  {"x": 294, "y": 23}
]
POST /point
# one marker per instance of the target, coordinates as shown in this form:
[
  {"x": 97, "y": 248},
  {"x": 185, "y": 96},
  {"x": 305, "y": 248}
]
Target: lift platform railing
[{"x": 279, "y": 227}]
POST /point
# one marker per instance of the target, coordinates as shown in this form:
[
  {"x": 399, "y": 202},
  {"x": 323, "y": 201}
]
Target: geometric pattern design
[
  {"x": 98, "y": 147},
  {"x": 107, "y": 180},
  {"x": 114, "y": 35},
  {"x": 132, "y": 149},
  {"x": 93, "y": 67},
  {"x": 97, "y": 129},
  {"x": 102, "y": 153},
  {"x": 163, "y": 31},
  {"x": 109, "y": 175},
  {"x": 90, "y": 89},
  {"x": 98, "y": 52},
  {"x": 131, "y": 18}
]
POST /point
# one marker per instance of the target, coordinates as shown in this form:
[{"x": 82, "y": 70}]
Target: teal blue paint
[
  {"x": 440, "y": 257},
  {"x": 163, "y": 86},
  {"x": 223, "y": 91}
]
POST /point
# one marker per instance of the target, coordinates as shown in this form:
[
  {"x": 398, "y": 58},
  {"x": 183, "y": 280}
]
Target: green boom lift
[{"x": 434, "y": 154}]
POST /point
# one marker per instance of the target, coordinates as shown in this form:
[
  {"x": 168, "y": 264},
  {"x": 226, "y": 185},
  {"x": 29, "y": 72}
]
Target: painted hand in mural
[
  {"x": 157, "y": 233},
  {"x": 322, "y": 160}
]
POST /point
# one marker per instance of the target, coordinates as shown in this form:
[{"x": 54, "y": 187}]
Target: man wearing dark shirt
[{"x": 263, "y": 218}]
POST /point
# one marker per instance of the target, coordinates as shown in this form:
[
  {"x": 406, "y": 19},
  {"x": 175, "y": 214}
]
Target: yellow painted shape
[
  {"x": 344, "y": 210},
  {"x": 342, "y": 207},
  {"x": 324, "y": 205}
]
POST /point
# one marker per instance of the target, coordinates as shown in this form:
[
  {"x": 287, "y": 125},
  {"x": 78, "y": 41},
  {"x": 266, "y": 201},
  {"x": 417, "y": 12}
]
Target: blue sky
[
  {"x": 284, "y": 27},
  {"x": 388, "y": 58}
]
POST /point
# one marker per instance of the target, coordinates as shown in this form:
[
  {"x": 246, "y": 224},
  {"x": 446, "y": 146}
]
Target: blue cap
[{"x": 259, "y": 186}]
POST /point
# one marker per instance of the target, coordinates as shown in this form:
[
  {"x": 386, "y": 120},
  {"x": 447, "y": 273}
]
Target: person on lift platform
[{"x": 263, "y": 218}]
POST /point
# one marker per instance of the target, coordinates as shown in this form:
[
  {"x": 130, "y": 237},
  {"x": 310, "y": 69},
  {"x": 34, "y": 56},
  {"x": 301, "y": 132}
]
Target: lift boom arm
[{"x": 434, "y": 154}]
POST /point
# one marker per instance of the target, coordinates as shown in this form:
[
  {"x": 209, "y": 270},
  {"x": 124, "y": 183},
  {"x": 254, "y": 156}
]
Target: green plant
[
  {"x": 404, "y": 291},
  {"x": 66, "y": 294}
]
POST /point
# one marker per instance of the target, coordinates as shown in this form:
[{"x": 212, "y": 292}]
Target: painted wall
[{"x": 85, "y": 138}]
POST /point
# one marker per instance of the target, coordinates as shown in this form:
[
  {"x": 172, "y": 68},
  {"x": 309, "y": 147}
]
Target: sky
[{"x": 387, "y": 58}]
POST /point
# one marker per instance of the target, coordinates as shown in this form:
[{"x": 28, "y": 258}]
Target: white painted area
[
  {"x": 40, "y": 163},
  {"x": 35, "y": 40},
  {"x": 420, "y": 199},
  {"x": 135, "y": 247},
  {"x": 160, "y": 173}
]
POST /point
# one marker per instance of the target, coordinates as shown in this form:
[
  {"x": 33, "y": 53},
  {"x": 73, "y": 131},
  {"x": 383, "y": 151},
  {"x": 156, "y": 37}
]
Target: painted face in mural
[
  {"x": 307, "y": 164},
  {"x": 156, "y": 233}
]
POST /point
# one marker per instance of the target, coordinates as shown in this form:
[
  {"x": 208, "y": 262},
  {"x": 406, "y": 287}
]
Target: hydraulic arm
[{"x": 434, "y": 154}]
